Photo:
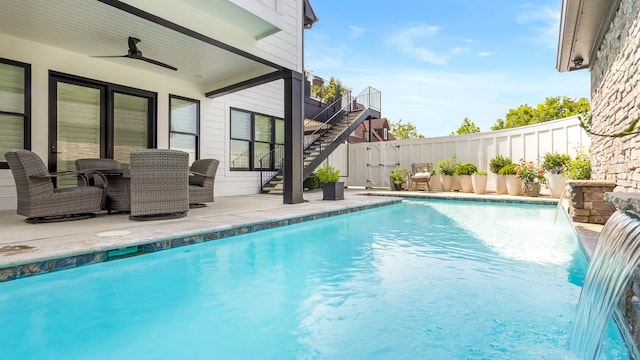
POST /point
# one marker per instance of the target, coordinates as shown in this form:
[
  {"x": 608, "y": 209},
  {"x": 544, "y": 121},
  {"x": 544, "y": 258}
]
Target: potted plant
[
  {"x": 495, "y": 165},
  {"x": 332, "y": 188},
  {"x": 398, "y": 177},
  {"x": 479, "y": 182},
  {"x": 532, "y": 177},
  {"x": 464, "y": 172},
  {"x": 514, "y": 184},
  {"x": 554, "y": 164},
  {"x": 447, "y": 169},
  {"x": 579, "y": 168}
]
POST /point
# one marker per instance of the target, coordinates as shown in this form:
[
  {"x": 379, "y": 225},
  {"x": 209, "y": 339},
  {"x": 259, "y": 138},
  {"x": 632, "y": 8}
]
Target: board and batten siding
[{"x": 369, "y": 164}]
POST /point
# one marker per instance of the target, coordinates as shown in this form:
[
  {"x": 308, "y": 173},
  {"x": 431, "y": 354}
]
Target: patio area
[{"x": 28, "y": 249}]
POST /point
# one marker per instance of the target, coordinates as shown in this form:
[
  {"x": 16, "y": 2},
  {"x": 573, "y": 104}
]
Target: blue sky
[{"x": 437, "y": 62}]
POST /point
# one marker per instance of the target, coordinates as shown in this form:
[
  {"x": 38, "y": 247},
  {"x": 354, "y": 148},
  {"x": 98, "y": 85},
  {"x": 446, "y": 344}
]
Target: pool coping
[{"x": 194, "y": 232}]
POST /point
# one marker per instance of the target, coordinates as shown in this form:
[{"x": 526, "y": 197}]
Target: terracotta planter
[
  {"x": 446, "y": 181},
  {"x": 465, "y": 183},
  {"x": 514, "y": 185},
  {"x": 531, "y": 189},
  {"x": 557, "y": 184},
  {"x": 479, "y": 183},
  {"x": 501, "y": 184}
]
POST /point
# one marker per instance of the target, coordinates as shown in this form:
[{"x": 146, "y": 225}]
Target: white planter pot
[
  {"x": 465, "y": 183},
  {"x": 514, "y": 185},
  {"x": 556, "y": 183},
  {"x": 501, "y": 184},
  {"x": 446, "y": 181},
  {"x": 479, "y": 183}
]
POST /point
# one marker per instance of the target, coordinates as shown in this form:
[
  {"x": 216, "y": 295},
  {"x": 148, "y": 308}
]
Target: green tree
[
  {"x": 404, "y": 131},
  {"x": 467, "y": 127},
  {"x": 329, "y": 93},
  {"x": 551, "y": 109}
]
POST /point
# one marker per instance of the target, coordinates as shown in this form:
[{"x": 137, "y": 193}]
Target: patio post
[{"x": 293, "y": 136}]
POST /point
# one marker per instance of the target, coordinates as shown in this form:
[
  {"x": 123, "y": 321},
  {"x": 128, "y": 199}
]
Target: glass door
[
  {"x": 130, "y": 125},
  {"x": 78, "y": 132}
]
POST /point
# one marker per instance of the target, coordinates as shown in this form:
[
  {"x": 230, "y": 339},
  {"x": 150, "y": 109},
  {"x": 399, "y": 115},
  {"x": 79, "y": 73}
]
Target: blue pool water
[{"x": 417, "y": 280}]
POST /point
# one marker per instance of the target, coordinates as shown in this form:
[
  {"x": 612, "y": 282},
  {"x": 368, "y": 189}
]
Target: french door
[{"x": 90, "y": 119}]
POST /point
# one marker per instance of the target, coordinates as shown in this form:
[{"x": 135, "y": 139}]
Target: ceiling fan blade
[
  {"x": 155, "y": 62},
  {"x": 109, "y": 56}
]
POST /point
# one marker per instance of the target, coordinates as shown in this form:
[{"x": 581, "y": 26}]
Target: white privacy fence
[{"x": 369, "y": 164}]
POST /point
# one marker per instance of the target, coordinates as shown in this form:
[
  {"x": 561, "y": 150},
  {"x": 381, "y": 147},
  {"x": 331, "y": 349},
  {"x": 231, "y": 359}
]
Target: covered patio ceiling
[{"x": 97, "y": 28}]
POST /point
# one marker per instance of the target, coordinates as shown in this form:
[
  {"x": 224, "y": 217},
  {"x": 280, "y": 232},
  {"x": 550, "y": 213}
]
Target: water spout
[
  {"x": 616, "y": 255},
  {"x": 560, "y": 203}
]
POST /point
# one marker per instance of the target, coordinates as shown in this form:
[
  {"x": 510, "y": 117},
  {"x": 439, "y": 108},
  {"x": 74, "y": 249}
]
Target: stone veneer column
[
  {"x": 586, "y": 201},
  {"x": 615, "y": 99}
]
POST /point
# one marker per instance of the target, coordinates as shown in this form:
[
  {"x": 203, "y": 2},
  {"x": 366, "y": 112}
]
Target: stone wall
[
  {"x": 586, "y": 201},
  {"x": 615, "y": 100}
]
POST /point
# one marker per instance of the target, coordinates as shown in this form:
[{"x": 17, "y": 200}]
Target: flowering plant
[{"x": 529, "y": 173}]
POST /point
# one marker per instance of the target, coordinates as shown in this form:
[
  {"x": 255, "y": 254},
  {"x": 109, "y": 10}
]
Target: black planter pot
[{"x": 333, "y": 191}]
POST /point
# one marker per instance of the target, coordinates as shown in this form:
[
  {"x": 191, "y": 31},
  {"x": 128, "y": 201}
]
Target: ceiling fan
[{"x": 135, "y": 53}]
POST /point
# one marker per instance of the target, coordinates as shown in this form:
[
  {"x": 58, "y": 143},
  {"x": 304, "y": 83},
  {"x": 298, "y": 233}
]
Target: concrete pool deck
[{"x": 29, "y": 249}]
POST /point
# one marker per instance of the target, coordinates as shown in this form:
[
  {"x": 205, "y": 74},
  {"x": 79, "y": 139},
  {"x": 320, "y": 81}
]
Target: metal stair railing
[{"x": 367, "y": 104}]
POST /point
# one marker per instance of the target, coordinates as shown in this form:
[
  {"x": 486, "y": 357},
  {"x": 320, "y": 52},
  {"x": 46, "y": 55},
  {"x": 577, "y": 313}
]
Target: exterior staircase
[{"x": 322, "y": 138}]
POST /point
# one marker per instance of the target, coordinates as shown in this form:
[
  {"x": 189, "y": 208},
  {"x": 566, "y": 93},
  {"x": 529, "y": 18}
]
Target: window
[
  {"x": 257, "y": 141},
  {"x": 93, "y": 119},
  {"x": 15, "y": 107},
  {"x": 385, "y": 134},
  {"x": 184, "y": 126}
]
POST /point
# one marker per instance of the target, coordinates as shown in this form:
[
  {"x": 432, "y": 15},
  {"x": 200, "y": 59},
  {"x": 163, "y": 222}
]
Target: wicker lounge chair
[
  {"x": 159, "y": 184},
  {"x": 118, "y": 190},
  {"x": 421, "y": 174},
  {"x": 201, "y": 181},
  {"x": 40, "y": 201}
]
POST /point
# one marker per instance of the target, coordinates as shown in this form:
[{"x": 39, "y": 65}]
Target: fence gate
[{"x": 382, "y": 158}]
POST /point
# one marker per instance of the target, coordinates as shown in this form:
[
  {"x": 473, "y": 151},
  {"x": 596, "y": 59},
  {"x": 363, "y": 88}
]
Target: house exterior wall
[
  {"x": 615, "y": 100},
  {"x": 283, "y": 48}
]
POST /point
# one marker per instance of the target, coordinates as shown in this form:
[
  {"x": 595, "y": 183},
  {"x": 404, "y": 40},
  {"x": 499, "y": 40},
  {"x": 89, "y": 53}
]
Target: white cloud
[
  {"x": 543, "y": 22},
  {"x": 484, "y": 53},
  {"x": 411, "y": 42},
  {"x": 356, "y": 32}
]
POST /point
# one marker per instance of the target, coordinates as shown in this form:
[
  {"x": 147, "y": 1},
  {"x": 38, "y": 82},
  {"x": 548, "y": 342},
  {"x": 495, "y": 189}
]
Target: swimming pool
[{"x": 422, "y": 279}]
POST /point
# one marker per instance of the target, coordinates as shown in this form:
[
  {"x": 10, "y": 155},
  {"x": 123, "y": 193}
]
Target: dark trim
[
  {"x": 246, "y": 84},
  {"x": 293, "y": 166},
  {"x": 197, "y": 133},
  {"x": 272, "y": 143},
  {"x": 186, "y": 31},
  {"x": 26, "y": 114},
  {"x": 107, "y": 92}
]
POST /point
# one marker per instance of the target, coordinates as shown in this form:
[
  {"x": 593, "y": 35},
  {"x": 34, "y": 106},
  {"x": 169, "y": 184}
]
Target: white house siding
[
  {"x": 266, "y": 99},
  {"x": 283, "y": 48}
]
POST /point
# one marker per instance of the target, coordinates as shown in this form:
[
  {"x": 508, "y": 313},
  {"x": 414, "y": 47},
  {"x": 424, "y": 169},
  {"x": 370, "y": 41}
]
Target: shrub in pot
[
  {"x": 398, "y": 177},
  {"x": 554, "y": 164},
  {"x": 495, "y": 165},
  {"x": 579, "y": 168},
  {"x": 332, "y": 187},
  {"x": 464, "y": 172},
  {"x": 446, "y": 169},
  {"x": 479, "y": 182},
  {"x": 514, "y": 184}
]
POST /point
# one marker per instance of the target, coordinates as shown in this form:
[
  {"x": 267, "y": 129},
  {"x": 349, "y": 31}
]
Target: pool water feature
[{"x": 421, "y": 279}]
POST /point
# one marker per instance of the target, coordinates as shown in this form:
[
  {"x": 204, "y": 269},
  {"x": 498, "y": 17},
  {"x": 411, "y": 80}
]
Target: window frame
[
  {"x": 26, "y": 114},
  {"x": 196, "y": 135},
  {"x": 252, "y": 141}
]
